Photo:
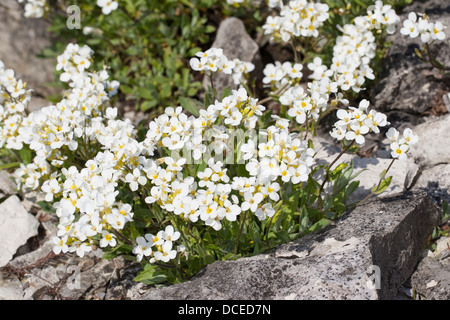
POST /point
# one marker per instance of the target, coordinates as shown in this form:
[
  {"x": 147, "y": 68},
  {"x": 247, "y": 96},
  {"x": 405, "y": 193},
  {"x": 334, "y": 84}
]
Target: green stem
[
  {"x": 244, "y": 216},
  {"x": 328, "y": 171},
  {"x": 432, "y": 61}
]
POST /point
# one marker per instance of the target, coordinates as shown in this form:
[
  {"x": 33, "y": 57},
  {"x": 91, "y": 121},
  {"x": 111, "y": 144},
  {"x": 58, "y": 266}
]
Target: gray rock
[
  {"x": 406, "y": 84},
  {"x": 436, "y": 182},
  {"x": 22, "y": 40},
  {"x": 403, "y": 173},
  {"x": 431, "y": 280},
  {"x": 433, "y": 138},
  {"x": 7, "y": 186},
  {"x": 16, "y": 227},
  {"x": 10, "y": 288},
  {"x": 366, "y": 254},
  {"x": 233, "y": 38}
]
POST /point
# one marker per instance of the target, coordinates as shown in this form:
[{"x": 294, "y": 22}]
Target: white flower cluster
[
  {"x": 282, "y": 156},
  {"x": 88, "y": 207},
  {"x": 354, "y": 50},
  {"x": 379, "y": 15},
  {"x": 400, "y": 144},
  {"x": 163, "y": 242},
  {"x": 350, "y": 67},
  {"x": 354, "y": 123},
  {"x": 300, "y": 18},
  {"x": 303, "y": 105},
  {"x": 107, "y": 6},
  {"x": 235, "y": 2},
  {"x": 419, "y": 25},
  {"x": 85, "y": 197},
  {"x": 278, "y": 75},
  {"x": 241, "y": 68},
  {"x": 14, "y": 99},
  {"x": 211, "y": 61},
  {"x": 74, "y": 62},
  {"x": 38, "y": 8},
  {"x": 35, "y": 8}
]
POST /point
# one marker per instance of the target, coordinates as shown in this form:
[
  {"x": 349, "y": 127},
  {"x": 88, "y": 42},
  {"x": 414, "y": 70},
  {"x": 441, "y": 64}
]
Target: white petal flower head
[
  {"x": 409, "y": 137},
  {"x": 437, "y": 30},
  {"x": 60, "y": 244},
  {"x": 107, "y": 239},
  {"x": 166, "y": 254},
  {"x": 410, "y": 26},
  {"x": 170, "y": 234},
  {"x": 392, "y": 135},
  {"x": 107, "y": 6},
  {"x": 143, "y": 248},
  {"x": 399, "y": 151}
]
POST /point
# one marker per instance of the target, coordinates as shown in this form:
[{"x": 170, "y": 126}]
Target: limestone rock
[
  {"x": 433, "y": 138},
  {"x": 7, "y": 186},
  {"x": 403, "y": 173},
  {"x": 22, "y": 40},
  {"x": 10, "y": 288},
  {"x": 16, "y": 227},
  {"x": 366, "y": 254},
  {"x": 436, "y": 182},
  {"x": 406, "y": 84},
  {"x": 431, "y": 280}
]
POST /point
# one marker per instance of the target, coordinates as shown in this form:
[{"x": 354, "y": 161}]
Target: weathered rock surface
[
  {"x": 22, "y": 40},
  {"x": 431, "y": 280},
  {"x": 407, "y": 84},
  {"x": 370, "y": 168},
  {"x": 7, "y": 186},
  {"x": 384, "y": 238},
  {"x": 433, "y": 141},
  {"x": 16, "y": 227}
]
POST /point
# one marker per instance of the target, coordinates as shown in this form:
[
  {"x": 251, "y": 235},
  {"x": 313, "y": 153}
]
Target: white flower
[
  {"x": 135, "y": 178},
  {"x": 60, "y": 244},
  {"x": 265, "y": 211},
  {"x": 271, "y": 190},
  {"x": 107, "y": 5},
  {"x": 393, "y": 135},
  {"x": 249, "y": 149},
  {"x": 107, "y": 239},
  {"x": 166, "y": 254},
  {"x": 399, "y": 151},
  {"x": 251, "y": 201},
  {"x": 143, "y": 248},
  {"x": 437, "y": 30},
  {"x": 170, "y": 234},
  {"x": 357, "y": 133}
]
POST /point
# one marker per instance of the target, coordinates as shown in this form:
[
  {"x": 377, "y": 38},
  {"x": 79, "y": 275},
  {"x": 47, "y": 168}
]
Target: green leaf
[
  {"x": 126, "y": 89},
  {"x": 150, "y": 275},
  {"x": 226, "y": 92},
  {"x": 190, "y": 106},
  {"x": 383, "y": 186},
  {"x": 134, "y": 233},
  {"x": 147, "y": 105},
  {"x": 351, "y": 188},
  {"x": 9, "y": 165},
  {"x": 46, "y": 206},
  {"x": 145, "y": 93},
  {"x": 26, "y": 155},
  {"x": 283, "y": 236},
  {"x": 319, "y": 225}
]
